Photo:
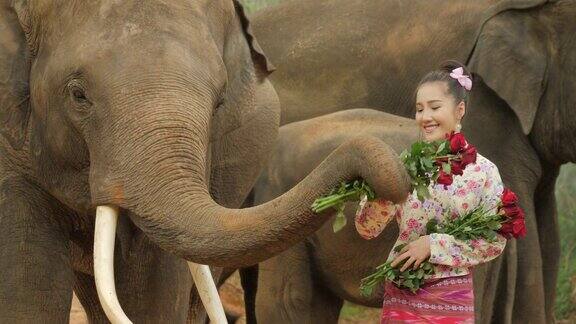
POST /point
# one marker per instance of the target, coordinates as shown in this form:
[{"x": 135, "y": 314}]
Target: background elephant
[
  {"x": 309, "y": 282},
  {"x": 332, "y": 55},
  {"x": 164, "y": 110}
]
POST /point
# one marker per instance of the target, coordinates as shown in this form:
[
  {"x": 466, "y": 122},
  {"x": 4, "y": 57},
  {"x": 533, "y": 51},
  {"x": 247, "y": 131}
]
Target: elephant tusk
[
  {"x": 104, "y": 237},
  {"x": 208, "y": 292}
]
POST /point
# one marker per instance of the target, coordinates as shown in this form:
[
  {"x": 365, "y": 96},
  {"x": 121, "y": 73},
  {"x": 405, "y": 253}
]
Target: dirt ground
[
  {"x": 77, "y": 315},
  {"x": 230, "y": 292}
]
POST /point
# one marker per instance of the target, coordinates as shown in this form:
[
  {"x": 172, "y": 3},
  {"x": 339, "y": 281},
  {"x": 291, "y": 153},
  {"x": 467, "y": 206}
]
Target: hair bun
[{"x": 450, "y": 65}]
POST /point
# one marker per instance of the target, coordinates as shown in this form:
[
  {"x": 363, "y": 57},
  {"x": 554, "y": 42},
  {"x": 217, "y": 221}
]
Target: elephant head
[
  {"x": 164, "y": 110},
  {"x": 534, "y": 73}
]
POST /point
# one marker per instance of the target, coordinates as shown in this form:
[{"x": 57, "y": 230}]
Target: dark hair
[{"x": 443, "y": 74}]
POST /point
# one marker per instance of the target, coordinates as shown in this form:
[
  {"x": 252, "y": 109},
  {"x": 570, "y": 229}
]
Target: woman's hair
[{"x": 443, "y": 74}]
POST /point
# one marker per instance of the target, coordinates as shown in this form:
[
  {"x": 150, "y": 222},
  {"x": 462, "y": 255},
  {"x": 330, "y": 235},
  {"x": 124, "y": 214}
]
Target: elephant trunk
[
  {"x": 156, "y": 168},
  {"x": 196, "y": 228}
]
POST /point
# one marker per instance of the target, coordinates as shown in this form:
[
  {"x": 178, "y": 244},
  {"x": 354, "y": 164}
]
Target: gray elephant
[
  {"x": 333, "y": 55},
  {"x": 163, "y": 112},
  {"x": 309, "y": 282}
]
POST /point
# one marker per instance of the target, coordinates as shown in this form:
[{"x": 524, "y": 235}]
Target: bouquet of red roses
[
  {"x": 437, "y": 161},
  {"x": 512, "y": 216},
  {"x": 425, "y": 162},
  {"x": 506, "y": 219}
]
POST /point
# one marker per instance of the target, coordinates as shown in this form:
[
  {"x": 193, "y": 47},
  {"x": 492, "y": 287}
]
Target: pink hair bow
[{"x": 464, "y": 80}]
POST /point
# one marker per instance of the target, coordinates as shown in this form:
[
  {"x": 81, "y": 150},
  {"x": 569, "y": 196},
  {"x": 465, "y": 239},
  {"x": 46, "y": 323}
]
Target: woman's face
[{"x": 437, "y": 112}]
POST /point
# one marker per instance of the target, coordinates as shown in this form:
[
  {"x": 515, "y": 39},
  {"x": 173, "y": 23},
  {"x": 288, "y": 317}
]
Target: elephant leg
[
  {"x": 36, "y": 277},
  {"x": 529, "y": 300},
  {"x": 196, "y": 311},
  {"x": 549, "y": 234},
  {"x": 287, "y": 292},
  {"x": 249, "y": 281},
  {"x": 495, "y": 287},
  {"x": 85, "y": 288},
  {"x": 152, "y": 285}
]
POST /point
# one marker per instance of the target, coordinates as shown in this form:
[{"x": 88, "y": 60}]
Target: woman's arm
[
  {"x": 373, "y": 217},
  {"x": 446, "y": 249}
]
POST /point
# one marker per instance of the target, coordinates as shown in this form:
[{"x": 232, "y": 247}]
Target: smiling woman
[
  {"x": 441, "y": 100},
  {"x": 447, "y": 294}
]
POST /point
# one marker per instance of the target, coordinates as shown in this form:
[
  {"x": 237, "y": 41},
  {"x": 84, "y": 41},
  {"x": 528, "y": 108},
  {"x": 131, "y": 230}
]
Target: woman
[{"x": 447, "y": 295}]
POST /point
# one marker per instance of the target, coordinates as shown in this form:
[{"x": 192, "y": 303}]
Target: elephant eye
[{"x": 77, "y": 93}]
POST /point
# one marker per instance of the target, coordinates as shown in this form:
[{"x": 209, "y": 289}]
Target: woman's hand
[{"x": 416, "y": 251}]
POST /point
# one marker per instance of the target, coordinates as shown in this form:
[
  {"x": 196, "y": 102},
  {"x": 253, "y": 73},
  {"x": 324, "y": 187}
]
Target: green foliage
[
  {"x": 252, "y": 6},
  {"x": 347, "y": 191},
  {"x": 419, "y": 163},
  {"x": 565, "y": 306},
  {"x": 478, "y": 223},
  {"x": 410, "y": 278}
]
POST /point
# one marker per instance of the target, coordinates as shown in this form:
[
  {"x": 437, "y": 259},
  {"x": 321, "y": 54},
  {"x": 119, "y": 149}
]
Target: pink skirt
[{"x": 444, "y": 301}]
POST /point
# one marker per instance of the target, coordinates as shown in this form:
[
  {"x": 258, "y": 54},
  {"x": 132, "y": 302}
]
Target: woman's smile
[
  {"x": 437, "y": 112},
  {"x": 428, "y": 129}
]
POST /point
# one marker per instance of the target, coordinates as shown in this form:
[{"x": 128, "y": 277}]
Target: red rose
[
  {"x": 456, "y": 167},
  {"x": 468, "y": 156},
  {"x": 519, "y": 227},
  {"x": 508, "y": 197},
  {"x": 506, "y": 230},
  {"x": 513, "y": 229},
  {"x": 457, "y": 143},
  {"x": 513, "y": 212},
  {"x": 444, "y": 178}
]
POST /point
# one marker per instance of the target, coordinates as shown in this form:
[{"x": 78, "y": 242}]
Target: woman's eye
[{"x": 434, "y": 108}]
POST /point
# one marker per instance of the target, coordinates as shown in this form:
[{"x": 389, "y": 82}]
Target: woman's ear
[{"x": 461, "y": 110}]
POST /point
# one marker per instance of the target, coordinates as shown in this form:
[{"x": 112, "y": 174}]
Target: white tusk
[
  {"x": 208, "y": 292},
  {"x": 104, "y": 236}
]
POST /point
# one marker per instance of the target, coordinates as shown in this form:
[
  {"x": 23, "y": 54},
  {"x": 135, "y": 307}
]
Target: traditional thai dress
[{"x": 447, "y": 295}]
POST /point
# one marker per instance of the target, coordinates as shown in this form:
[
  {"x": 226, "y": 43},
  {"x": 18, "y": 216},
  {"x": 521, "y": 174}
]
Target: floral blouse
[{"x": 479, "y": 184}]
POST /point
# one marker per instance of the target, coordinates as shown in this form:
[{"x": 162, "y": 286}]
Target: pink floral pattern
[{"x": 480, "y": 184}]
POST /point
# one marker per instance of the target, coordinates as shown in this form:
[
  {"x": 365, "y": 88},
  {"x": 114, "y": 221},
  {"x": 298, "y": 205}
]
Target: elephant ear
[
  {"x": 258, "y": 56},
  {"x": 14, "y": 74},
  {"x": 511, "y": 57}
]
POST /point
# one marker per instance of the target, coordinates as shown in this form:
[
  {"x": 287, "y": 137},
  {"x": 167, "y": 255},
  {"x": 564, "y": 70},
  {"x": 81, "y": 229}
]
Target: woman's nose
[{"x": 426, "y": 115}]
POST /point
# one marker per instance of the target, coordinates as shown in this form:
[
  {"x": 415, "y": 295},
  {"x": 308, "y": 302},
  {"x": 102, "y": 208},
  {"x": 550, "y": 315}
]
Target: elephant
[
  {"x": 160, "y": 114},
  {"x": 334, "y": 55},
  {"x": 309, "y": 282}
]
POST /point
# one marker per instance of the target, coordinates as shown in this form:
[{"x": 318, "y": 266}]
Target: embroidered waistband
[
  {"x": 452, "y": 281},
  {"x": 422, "y": 305}
]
